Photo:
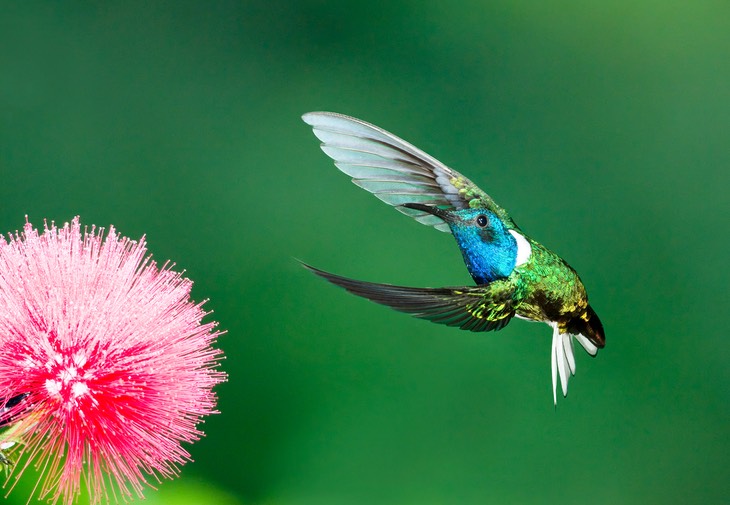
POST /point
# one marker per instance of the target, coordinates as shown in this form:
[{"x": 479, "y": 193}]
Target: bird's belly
[
  {"x": 548, "y": 305},
  {"x": 548, "y": 288},
  {"x": 531, "y": 312}
]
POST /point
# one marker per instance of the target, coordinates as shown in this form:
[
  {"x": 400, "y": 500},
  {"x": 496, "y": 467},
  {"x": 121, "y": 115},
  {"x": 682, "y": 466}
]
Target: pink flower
[{"x": 105, "y": 365}]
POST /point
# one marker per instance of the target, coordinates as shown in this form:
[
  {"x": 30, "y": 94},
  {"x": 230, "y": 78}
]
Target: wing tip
[
  {"x": 312, "y": 269},
  {"x": 312, "y": 118},
  {"x": 309, "y": 117}
]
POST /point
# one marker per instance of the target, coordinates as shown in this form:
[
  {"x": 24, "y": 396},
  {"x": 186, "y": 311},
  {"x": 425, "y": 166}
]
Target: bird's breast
[{"x": 550, "y": 289}]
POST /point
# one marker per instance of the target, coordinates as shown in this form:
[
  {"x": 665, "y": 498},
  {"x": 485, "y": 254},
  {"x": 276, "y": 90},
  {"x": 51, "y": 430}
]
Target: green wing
[
  {"x": 395, "y": 171},
  {"x": 484, "y": 308}
]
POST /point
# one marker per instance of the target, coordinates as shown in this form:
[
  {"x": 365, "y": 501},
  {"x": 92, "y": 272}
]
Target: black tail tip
[{"x": 589, "y": 325}]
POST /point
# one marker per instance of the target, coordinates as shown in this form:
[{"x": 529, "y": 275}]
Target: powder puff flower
[{"x": 106, "y": 367}]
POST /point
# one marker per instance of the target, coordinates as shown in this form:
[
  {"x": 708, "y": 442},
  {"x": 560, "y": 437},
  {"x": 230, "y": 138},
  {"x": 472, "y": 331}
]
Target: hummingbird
[{"x": 514, "y": 275}]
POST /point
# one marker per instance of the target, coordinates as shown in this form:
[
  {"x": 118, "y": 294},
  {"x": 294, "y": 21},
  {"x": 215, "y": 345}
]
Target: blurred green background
[{"x": 603, "y": 127}]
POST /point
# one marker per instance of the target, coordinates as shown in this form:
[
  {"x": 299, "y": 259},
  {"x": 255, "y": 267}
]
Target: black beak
[{"x": 431, "y": 209}]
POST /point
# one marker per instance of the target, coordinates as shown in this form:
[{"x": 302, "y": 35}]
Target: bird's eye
[{"x": 482, "y": 221}]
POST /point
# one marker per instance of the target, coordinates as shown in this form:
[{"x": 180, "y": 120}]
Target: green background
[{"x": 603, "y": 127}]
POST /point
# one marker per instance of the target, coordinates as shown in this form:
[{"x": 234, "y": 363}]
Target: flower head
[{"x": 105, "y": 364}]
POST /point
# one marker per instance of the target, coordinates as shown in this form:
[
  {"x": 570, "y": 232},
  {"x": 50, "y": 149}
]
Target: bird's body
[{"x": 514, "y": 275}]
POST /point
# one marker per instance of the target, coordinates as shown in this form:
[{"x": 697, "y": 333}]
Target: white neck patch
[{"x": 524, "y": 249}]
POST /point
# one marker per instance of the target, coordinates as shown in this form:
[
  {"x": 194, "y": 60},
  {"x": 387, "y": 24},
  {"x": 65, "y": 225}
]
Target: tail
[
  {"x": 588, "y": 331},
  {"x": 588, "y": 325}
]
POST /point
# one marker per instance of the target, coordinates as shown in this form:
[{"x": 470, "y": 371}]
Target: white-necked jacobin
[{"x": 514, "y": 275}]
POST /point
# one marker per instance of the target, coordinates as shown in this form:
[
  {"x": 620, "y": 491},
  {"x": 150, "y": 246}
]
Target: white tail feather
[{"x": 562, "y": 358}]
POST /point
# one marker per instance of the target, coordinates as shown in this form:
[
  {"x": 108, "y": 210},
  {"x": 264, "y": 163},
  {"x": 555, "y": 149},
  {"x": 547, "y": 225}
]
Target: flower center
[{"x": 67, "y": 380}]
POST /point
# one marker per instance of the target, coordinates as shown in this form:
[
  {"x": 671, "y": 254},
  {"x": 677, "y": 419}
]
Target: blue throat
[{"x": 487, "y": 258}]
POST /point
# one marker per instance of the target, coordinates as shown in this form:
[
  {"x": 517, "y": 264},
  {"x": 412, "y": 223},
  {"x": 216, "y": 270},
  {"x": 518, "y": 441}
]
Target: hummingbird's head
[{"x": 489, "y": 249}]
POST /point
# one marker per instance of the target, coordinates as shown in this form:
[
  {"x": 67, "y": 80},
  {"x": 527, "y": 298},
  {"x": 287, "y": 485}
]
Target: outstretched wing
[
  {"x": 396, "y": 171},
  {"x": 484, "y": 308}
]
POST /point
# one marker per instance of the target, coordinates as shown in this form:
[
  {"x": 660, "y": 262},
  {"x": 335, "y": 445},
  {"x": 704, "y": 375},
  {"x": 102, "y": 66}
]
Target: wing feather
[
  {"x": 484, "y": 308},
  {"x": 395, "y": 171}
]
